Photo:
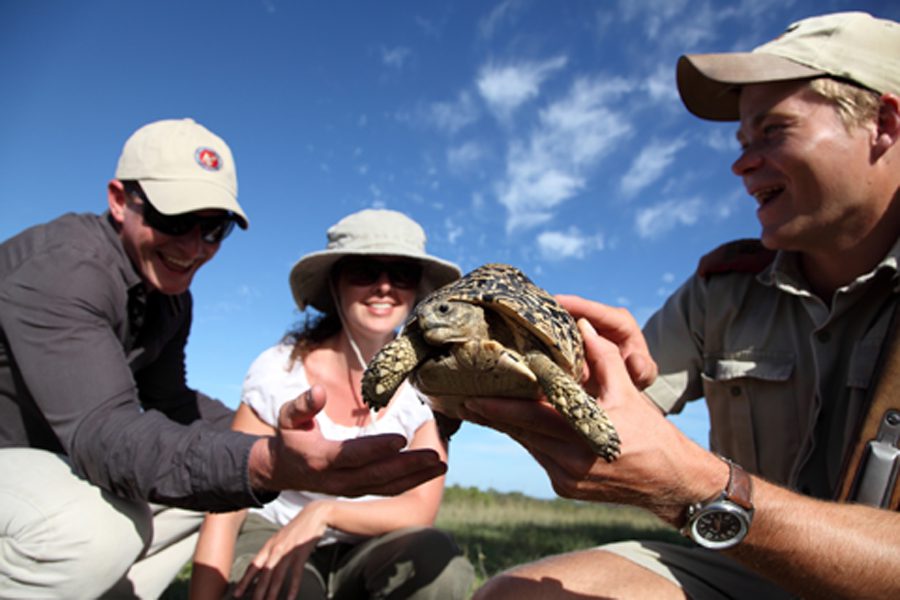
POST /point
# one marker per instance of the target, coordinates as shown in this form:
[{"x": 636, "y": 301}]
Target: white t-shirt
[{"x": 271, "y": 382}]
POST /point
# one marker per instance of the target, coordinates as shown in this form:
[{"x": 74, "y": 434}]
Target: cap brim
[
  {"x": 309, "y": 277},
  {"x": 183, "y": 196},
  {"x": 710, "y": 84}
]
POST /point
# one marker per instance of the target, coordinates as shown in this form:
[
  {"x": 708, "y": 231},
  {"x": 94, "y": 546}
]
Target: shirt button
[{"x": 823, "y": 336}]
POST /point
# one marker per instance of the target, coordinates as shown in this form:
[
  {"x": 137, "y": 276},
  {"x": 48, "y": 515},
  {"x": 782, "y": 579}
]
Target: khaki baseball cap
[
  {"x": 853, "y": 46},
  {"x": 182, "y": 167}
]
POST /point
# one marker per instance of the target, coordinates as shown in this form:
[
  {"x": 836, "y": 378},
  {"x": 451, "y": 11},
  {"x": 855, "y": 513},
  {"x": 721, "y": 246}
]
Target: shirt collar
[{"x": 785, "y": 272}]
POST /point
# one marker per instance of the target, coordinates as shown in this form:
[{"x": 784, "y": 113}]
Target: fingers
[
  {"x": 609, "y": 374},
  {"x": 516, "y": 417},
  {"x": 618, "y": 326},
  {"x": 299, "y": 412},
  {"x": 376, "y": 465},
  {"x": 276, "y": 562},
  {"x": 642, "y": 369},
  {"x": 362, "y": 451}
]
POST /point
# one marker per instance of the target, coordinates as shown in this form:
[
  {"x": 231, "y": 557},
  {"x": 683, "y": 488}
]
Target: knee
[
  {"x": 78, "y": 537},
  {"x": 500, "y": 587},
  {"x": 439, "y": 562}
]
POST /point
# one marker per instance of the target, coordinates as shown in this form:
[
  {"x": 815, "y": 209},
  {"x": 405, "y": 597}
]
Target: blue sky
[{"x": 546, "y": 134}]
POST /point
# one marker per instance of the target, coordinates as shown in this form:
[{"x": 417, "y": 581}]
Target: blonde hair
[{"x": 855, "y": 105}]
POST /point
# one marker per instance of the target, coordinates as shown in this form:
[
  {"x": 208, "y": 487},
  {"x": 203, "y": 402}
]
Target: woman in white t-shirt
[{"x": 310, "y": 545}]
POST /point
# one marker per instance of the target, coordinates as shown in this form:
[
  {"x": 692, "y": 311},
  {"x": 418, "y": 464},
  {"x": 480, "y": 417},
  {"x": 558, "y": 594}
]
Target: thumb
[{"x": 299, "y": 412}]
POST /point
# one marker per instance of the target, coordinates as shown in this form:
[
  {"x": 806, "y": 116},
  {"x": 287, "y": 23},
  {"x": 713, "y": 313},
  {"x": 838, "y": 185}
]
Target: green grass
[{"x": 497, "y": 531}]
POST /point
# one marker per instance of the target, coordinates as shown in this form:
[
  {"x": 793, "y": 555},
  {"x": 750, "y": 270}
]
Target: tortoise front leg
[
  {"x": 576, "y": 405},
  {"x": 390, "y": 366}
]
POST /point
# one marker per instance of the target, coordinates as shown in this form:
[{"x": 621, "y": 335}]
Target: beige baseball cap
[
  {"x": 182, "y": 167},
  {"x": 853, "y": 46}
]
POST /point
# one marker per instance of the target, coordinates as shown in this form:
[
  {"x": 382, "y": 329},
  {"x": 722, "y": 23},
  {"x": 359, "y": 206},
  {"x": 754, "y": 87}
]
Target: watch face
[{"x": 720, "y": 526}]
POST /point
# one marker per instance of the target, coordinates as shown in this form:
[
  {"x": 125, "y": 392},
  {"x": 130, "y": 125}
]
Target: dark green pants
[{"x": 416, "y": 562}]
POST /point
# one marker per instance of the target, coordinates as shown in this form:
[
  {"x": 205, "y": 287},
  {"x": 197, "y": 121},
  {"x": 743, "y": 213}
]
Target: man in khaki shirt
[{"x": 782, "y": 345}]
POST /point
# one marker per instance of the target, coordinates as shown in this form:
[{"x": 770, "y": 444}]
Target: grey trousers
[
  {"x": 61, "y": 537},
  {"x": 423, "y": 563}
]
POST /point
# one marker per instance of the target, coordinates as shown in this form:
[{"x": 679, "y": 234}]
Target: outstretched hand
[
  {"x": 656, "y": 467},
  {"x": 299, "y": 457}
]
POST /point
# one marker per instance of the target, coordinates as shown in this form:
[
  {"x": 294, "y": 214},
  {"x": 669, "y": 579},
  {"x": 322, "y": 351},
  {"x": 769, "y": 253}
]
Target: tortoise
[{"x": 493, "y": 333}]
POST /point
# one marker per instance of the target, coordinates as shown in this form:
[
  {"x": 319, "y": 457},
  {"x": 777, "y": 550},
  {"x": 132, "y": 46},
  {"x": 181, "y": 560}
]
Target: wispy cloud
[
  {"x": 453, "y": 116},
  {"x": 462, "y": 157},
  {"x": 572, "y": 135},
  {"x": 558, "y": 245},
  {"x": 506, "y": 87},
  {"x": 661, "y": 87},
  {"x": 649, "y": 165},
  {"x": 505, "y": 11},
  {"x": 722, "y": 138},
  {"x": 395, "y": 57},
  {"x": 656, "y": 220},
  {"x": 448, "y": 116}
]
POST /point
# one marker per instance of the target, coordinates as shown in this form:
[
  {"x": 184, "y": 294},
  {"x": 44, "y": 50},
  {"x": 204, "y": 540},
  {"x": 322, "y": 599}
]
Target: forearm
[
  {"x": 822, "y": 549},
  {"x": 379, "y": 516},
  {"x": 214, "y": 555},
  {"x": 814, "y": 548},
  {"x": 194, "y": 467}
]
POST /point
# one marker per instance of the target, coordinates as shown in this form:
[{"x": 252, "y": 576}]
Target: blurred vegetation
[{"x": 499, "y": 530}]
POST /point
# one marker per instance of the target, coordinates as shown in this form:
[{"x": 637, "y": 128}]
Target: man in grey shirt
[{"x": 103, "y": 446}]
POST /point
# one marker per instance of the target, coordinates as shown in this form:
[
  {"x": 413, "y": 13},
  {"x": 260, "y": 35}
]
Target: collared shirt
[
  {"x": 783, "y": 372},
  {"x": 92, "y": 366}
]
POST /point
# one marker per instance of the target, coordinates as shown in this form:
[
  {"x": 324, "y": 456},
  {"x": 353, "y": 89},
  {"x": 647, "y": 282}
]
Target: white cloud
[
  {"x": 395, "y": 57},
  {"x": 505, "y": 88},
  {"x": 557, "y": 245},
  {"x": 661, "y": 86},
  {"x": 454, "y": 231},
  {"x": 649, "y": 165},
  {"x": 655, "y": 220},
  {"x": 452, "y": 116},
  {"x": 572, "y": 136},
  {"x": 722, "y": 139},
  {"x": 463, "y": 156}
]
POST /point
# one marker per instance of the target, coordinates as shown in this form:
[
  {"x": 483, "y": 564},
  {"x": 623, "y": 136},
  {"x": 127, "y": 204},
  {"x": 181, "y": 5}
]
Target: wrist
[
  {"x": 723, "y": 519},
  {"x": 260, "y": 469}
]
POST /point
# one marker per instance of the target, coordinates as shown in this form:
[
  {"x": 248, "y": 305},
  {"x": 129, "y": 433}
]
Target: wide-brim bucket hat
[
  {"x": 849, "y": 46},
  {"x": 372, "y": 232}
]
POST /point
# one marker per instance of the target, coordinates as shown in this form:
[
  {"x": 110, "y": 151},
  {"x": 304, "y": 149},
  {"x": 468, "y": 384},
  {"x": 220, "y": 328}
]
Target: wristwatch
[{"x": 724, "y": 520}]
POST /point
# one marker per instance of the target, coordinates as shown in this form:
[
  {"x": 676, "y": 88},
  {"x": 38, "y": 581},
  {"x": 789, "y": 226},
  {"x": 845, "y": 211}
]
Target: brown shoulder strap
[
  {"x": 883, "y": 403},
  {"x": 739, "y": 256}
]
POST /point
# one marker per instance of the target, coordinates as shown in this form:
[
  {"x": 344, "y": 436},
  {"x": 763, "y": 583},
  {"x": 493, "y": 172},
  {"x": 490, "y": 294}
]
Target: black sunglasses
[
  {"x": 366, "y": 271},
  {"x": 212, "y": 229}
]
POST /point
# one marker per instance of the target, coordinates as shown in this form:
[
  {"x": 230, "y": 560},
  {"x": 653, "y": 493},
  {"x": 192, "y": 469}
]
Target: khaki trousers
[
  {"x": 702, "y": 574},
  {"x": 61, "y": 537}
]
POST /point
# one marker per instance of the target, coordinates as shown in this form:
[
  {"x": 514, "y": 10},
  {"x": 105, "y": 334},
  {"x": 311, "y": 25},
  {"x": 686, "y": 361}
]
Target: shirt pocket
[{"x": 743, "y": 393}]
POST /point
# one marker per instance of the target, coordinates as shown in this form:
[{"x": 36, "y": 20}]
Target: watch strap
[{"x": 740, "y": 486}]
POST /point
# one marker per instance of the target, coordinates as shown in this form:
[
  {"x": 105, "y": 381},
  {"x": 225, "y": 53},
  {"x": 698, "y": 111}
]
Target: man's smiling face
[{"x": 806, "y": 169}]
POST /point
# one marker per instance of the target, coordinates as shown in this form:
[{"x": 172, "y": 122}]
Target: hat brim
[
  {"x": 309, "y": 277},
  {"x": 709, "y": 84},
  {"x": 183, "y": 196}
]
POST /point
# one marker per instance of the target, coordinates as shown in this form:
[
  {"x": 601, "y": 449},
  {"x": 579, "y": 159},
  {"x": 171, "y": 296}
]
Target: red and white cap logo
[{"x": 208, "y": 159}]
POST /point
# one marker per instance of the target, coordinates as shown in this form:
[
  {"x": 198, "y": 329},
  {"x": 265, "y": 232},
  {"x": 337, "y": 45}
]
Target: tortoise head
[{"x": 444, "y": 321}]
